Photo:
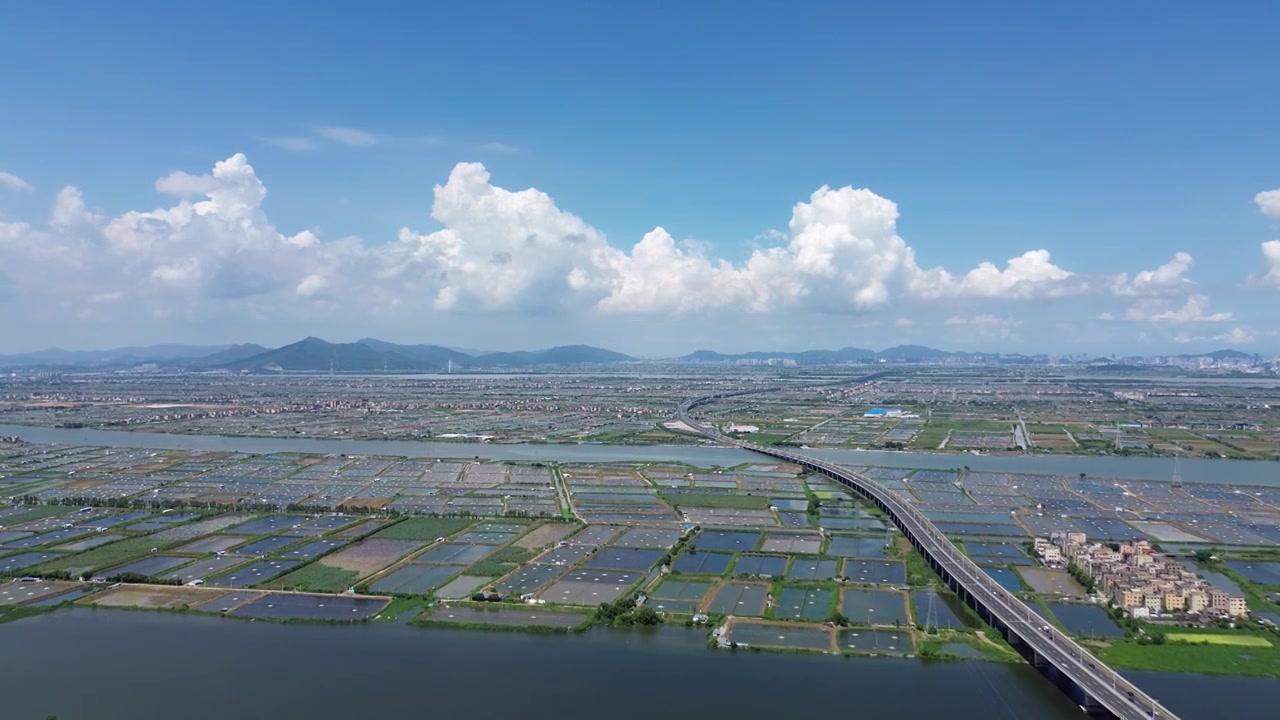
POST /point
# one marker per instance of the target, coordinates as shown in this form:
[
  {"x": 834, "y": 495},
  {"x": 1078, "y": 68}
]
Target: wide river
[
  {"x": 107, "y": 664},
  {"x": 1242, "y": 472}
]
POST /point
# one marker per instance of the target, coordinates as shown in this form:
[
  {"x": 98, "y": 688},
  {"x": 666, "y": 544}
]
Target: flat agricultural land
[
  {"x": 153, "y": 596},
  {"x": 935, "y": 431},
  {"x": 369, "y": 556},
  {"x": 545, "y": 535},
  {"x": 36, "y": 512},
  {"x": 17, "y": 592},
  {"x": 317, "y": 577},
  {"x": 1214, "y": 639},
  {"x": 717, "y": 500},
  {"x": 1212, "y": 659},
  {"x": 1051, "y": 439},
  {"x": 1048, "y": 581},
  {"x": 106, "y": 555},
  {"x": 424, "y": 528}
]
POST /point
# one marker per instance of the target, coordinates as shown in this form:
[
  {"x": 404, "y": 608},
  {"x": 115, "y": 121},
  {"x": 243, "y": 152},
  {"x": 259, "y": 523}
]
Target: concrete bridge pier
[
  {"x": 1092, "y": 686},
  {"x": 1094, "y": 709},
  {"x": 1069, "y": 687},
  {"x": 1043, "y": 664}
]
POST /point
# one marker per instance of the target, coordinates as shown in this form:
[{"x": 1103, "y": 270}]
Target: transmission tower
[{"x": 931, "y": 616}]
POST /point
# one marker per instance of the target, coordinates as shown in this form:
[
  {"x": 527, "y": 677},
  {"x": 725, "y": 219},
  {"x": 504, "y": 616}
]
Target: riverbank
[
  {"x": 1201, "y": 470},
  {"x": 310, "y": 672}
]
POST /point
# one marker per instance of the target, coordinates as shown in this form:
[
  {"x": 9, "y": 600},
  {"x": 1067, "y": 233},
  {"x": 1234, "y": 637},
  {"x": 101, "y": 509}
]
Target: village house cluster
[{"x": 1140, "y": 580}]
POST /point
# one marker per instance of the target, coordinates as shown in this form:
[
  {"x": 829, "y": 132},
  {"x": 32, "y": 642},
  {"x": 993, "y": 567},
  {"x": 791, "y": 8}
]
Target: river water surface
[
  {"x": 1242, "y": 472},
  {"x": 105, "y": 664}
]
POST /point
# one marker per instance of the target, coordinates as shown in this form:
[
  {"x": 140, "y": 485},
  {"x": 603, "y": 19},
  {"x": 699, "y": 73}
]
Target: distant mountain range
[
  {"x": 311, "y": 355},
  {"x": 372, "y": 355},
  {"x": 118, "y": 356},
  {"x": 1223, "y": 355}
]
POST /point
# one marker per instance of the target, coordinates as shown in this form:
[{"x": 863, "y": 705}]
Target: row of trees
[
  {"x": 151, "y": 504},
  {"x": 1083, "y": 577},
  {"x": 626, "y": 612}
]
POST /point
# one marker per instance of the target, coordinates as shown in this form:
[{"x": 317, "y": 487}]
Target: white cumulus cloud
[
  {"x": 1234, "y": 336},
  {"x": 214, "y": 251},
  {"x": 1193, "y": 311},
  {"x": 13, "y": 182},
  {"x": 1029, "y": 275},
  {"x": 312, "y": 285},
  {"x": 1269, "y": 203},
  {"x": 13, "y": 231},
  {"x": 1271, "y": 253},
  {"x": 842, "y": 252},
  {"x": 215, "y": 246},
  {"x": 1169, "y": 278},
  {"x": 501, "y": 249}
]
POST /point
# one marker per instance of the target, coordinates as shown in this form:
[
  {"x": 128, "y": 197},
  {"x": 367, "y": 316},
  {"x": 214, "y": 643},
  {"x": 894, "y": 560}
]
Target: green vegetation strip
[
  {"x": 1224, "y": 655},
  {"x": 1212, "y": 639},
  {"x": 105, "y": 556},
  {"x": 502, "y": 562},
  {"x": 919, "y": 574},
  {"x": 317, "y": 578},
  {"x": 933, "y": 647},
  {"x": 400, "y": 606},
  {"x": 932, "y": 435},
  {"x": 11, "y": 613},
  {"x": 764, "y": 438},
  {"x": 37, "y": 512}
]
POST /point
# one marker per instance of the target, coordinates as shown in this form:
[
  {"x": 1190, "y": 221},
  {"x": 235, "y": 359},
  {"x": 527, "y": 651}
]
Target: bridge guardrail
[{"x": 1108, "y": 687}]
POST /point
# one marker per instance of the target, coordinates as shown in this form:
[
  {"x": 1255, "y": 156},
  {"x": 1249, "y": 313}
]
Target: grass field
[
  {"x": 934, "y": 646},
  {"x": 402, "y": 605},
  {"x": 919, "y": 574},
  {"x": 716, "y": 500},
  {"x": 317, "y": 578},
  {"x": 502, "y": 562},
  {"x": 932, "y": 435},
  {"x": 105, "y": 556},
  {"x": 1192, "y": 441},
  {"x": 763, "y": 438},
  {"x": 36, "y": 512},
  {"x": 1213, "y": 659},
  {"x": 424, "y": 528},
  {"x": 1214, "y": 639}
]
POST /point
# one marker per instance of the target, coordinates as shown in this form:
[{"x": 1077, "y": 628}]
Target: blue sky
[{"x": 1112, "y": 137}]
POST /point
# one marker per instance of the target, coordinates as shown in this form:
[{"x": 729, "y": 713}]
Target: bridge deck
[{"x": 1103, "y": 687}]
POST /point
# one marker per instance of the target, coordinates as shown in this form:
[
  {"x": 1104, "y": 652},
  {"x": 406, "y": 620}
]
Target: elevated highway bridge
[{"x": 1097, "y": 689}]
